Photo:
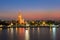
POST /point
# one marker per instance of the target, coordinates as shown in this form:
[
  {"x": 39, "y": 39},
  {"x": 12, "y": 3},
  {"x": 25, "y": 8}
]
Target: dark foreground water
[{"x": 30, "y": 34}]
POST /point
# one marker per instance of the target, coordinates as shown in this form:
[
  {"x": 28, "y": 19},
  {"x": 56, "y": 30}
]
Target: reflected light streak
[
  {"x": 38, "y": 29},
  {"x": 16, "y": 30},
  {"x": 54, "y": 33},
  {"x": 33, "y": 30},
  {"x": 8, "y": 30},
  {"x": 50, "y": 29},
  {"x": 11, "y": 30},
  {"x": 21, "y": 30},
  {"x": 26, "y": 34},
  {"x": 21, "y": 33},
  {"x": 10, "y": 33}
]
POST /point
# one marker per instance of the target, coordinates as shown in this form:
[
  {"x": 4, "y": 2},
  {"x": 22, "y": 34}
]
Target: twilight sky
[{"x": 30, "y": 9}]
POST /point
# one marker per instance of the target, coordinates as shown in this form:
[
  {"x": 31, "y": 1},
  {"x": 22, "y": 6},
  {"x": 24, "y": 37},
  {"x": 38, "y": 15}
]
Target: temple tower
[{"x": 20, "y": 18}]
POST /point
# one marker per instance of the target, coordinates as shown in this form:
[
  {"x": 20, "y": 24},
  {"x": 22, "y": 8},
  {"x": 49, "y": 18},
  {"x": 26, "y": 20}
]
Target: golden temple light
[
  {"x": 20, "y": 19},
  {"x": 43, "y": 22}
]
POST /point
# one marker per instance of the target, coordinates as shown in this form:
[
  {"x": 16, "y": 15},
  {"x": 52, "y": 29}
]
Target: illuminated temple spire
[{"x": 20, "y": 19}]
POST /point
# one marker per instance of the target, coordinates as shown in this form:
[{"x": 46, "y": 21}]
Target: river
[{"x": 30, "y": 34}]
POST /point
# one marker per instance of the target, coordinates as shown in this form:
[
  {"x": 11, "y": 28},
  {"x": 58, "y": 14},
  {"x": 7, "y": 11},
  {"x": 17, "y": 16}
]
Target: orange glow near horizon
[
  {"x": 33, "y": 15},
  {"x": 42, "y": 15}
]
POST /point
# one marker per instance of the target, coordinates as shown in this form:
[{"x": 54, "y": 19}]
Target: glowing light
[
  {"x": 16, "y": 30},
  {"x": 11, "y": 30},
  {"x": 38, "y": 29},
  {"x": 32, "y": 21},
  {"x": 54, "y": 33},
  {"x": 27, "y": 35},
  {"x": 43, "y": 22},
  {"x": 50, "y": 29},
  {"x": 27, "y": 24},
  {"x": 20, "y": 19},
  {"x": 0, "y": 28},
  {"x": 11, "y": 23},
  {"x": 21, "y": 30},
  {"x": 1, "y": 25}
]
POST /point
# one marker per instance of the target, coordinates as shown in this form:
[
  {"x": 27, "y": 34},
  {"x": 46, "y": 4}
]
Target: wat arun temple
[
  {"x": 20, "y": 18},
  {"x": 21, "y": 21}
]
